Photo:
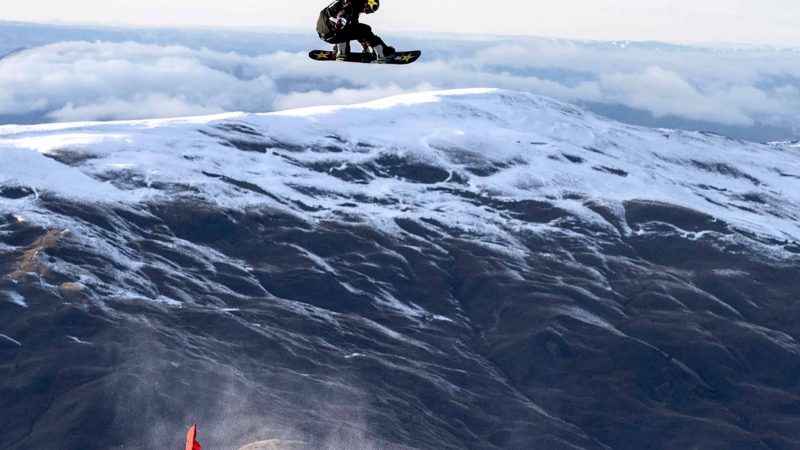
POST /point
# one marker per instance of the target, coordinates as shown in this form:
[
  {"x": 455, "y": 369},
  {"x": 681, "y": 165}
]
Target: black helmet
[{"x": 370, "y": 6}]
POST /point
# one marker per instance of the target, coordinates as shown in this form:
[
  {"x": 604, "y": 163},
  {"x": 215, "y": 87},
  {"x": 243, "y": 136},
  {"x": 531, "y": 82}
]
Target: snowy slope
[
  {"x": 504, "y": 144},
  {"x": 461, "y": 269}
]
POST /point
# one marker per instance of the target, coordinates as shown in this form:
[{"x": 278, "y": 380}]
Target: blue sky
[{"x": 91, "y": 73}]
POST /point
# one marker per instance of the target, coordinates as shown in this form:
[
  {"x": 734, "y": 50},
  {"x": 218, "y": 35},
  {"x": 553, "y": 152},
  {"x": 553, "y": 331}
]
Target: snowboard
[{"x": 397, "y": 58}]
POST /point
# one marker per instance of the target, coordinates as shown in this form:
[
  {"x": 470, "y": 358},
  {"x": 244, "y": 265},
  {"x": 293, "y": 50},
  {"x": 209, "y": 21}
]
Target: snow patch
[
  {"x": 423, "y": 156},
  {"x": 12, "y": 340},
  {"x": 15, "y": 298},
  {"x": 78, "y": 340}
]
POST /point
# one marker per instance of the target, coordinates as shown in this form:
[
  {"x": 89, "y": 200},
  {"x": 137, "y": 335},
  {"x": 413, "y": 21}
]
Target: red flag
[{"x": 191, "y": 443}]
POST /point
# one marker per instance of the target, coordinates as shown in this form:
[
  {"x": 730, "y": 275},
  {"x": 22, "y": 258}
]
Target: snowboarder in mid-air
[{"x": 338, "y": 24}]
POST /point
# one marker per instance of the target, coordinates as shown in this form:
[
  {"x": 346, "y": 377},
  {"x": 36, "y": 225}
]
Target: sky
[
  {"x": 756, "y": 22},
  {"x": 76, "y": 73}
]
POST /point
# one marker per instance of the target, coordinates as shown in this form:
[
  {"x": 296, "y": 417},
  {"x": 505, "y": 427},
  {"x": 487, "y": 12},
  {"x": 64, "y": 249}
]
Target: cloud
[
  {"x": 100, "y": 81},
  {"x": 663, "y": 93},
  {"x": 70, "y": 81},
  {"x": 727, "y": 87},
  {"x": 136, "y": 106}
]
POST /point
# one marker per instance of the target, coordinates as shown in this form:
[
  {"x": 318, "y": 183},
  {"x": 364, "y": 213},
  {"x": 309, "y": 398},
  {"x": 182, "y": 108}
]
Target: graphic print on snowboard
[{"x": 398, "y": 58}]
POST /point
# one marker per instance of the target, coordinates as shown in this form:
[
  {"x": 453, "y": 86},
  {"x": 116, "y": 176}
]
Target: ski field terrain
[{"x": 477, "y": 269}]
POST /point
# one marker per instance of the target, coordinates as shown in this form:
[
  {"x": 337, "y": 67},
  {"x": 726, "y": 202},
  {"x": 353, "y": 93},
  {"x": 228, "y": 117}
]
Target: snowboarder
[{"x": 338, "y": 24}]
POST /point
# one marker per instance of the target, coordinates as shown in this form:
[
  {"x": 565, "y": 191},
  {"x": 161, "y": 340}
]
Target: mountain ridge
[
  {"x": 718, "y": 159},
  {"x": 463, "y": 269}
]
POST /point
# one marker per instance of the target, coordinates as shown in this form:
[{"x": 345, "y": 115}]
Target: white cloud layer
[
  {"x": 103, "y": 81},
  {"x": 72, "y": 81}
]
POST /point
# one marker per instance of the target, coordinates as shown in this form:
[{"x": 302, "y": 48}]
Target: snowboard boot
[
  {"x": 342, "y": 51},
  {"x": 383, "y": 53}
]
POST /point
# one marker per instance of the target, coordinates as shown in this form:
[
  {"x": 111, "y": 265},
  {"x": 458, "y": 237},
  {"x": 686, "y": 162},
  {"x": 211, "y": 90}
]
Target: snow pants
[{"x": 356, "y": 32}]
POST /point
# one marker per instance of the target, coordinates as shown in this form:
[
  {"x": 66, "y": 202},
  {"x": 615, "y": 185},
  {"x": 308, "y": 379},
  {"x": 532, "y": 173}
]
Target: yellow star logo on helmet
[{"x": 373, "y": 4}]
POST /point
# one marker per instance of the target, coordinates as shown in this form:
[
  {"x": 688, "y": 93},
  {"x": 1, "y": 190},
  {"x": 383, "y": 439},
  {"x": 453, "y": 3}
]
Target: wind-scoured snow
[
  {"x": 15, "y": 298},
  {"x": 504, "y": 144},
  {"x": 12, "y": 340},
  {"x": 460, "y": 269}
]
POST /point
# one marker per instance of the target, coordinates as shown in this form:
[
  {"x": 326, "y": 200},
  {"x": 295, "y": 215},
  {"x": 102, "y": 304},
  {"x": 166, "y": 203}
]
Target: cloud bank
[{"x": 75, "y": 81}]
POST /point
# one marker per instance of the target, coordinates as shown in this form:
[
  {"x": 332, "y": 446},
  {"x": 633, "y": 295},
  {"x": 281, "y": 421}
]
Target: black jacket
[{"x": 349, "y": 9}]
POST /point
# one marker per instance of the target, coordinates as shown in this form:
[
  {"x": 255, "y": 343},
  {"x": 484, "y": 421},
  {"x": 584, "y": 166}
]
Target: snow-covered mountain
[{"x": 458, "y": 269}]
